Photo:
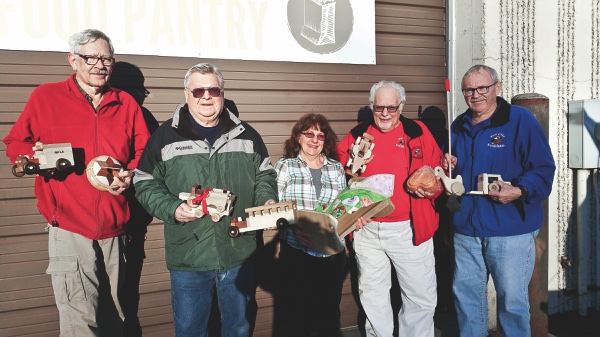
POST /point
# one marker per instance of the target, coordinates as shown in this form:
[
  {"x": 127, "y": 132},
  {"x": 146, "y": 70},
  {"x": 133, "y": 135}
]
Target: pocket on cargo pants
[{"x": 67, "y": 279}]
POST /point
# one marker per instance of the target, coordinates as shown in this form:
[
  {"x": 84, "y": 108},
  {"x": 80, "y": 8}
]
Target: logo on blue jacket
[{"x": 496, "y": 140}]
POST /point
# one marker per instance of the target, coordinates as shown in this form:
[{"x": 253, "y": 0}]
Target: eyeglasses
[
  {"x": 311, "y": 135},
  {"x": 480, "y": 90},
  {"x": 92, "y": 60},
  {"x": 390, "y": 108},
  {"x": 212, "y": 91}
]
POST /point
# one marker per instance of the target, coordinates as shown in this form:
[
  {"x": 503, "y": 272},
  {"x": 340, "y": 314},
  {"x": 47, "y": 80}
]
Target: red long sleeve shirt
[{"x": 59, "y": 113}]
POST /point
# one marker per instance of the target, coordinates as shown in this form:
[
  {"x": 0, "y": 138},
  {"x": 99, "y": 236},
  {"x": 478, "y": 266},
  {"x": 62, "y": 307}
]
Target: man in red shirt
[
  {"x": 85, "y": 225},
  {"x": 403, "y": 237}
]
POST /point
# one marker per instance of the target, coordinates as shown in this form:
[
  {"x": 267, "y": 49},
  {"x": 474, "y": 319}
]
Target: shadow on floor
[
  {"x": 571, "y": 324},
  {"x": 445, "y": 326}
]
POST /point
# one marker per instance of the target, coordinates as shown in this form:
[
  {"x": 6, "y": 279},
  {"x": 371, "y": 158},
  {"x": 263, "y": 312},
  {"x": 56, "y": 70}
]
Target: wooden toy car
[
  {"x": 214, "y": 201},
  {"x": 46, "y": 157},
  {"x": 274, "y": 216},
  {"x": 487, "y": 182},
  {"x": 360, "y": 151}
]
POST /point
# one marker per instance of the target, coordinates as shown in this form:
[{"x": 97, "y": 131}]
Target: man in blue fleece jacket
[{"x": 494, "y": 233}]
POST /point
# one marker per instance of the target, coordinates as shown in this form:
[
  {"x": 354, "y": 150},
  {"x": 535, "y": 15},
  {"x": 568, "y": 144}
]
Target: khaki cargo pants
[{"x": 86, "y": 276}]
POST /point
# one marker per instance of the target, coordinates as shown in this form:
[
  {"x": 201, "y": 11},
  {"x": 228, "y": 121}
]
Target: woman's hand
[{"x": 361, "y": 222}]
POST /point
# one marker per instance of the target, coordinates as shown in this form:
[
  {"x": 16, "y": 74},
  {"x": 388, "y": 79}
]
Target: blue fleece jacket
[{"x": 510, "y": 143}]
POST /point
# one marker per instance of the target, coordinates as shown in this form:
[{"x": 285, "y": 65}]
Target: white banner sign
[{"x": 328, "y": 31}]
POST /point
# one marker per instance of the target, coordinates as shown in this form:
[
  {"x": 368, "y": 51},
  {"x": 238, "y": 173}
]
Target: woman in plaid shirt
[{"x": 311, "y": 175}]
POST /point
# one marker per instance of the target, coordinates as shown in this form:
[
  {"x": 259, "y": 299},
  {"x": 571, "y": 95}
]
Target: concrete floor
[
  {"x": 445, "y": 326},
  {"x": 559, "y": 325}
]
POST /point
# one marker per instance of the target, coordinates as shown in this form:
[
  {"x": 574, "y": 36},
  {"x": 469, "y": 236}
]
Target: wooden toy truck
[
  {"x": 46, "y": 157},
  {"x": 215, "y": 201},
  {"x": 487, "y": 182},
  {"x": 274, "y": 216}
]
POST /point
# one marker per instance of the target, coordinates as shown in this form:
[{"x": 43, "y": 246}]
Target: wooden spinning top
[{"x": 103, "y": 172}]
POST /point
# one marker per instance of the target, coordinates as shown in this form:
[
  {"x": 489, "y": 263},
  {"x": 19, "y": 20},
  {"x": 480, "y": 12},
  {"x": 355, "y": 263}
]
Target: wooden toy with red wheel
[{"x": 274, "y": 216}]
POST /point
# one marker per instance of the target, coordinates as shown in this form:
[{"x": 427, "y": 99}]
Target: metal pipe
[
  {"x": 583, "y": 241},
  {"x": 538, "y": 286}
]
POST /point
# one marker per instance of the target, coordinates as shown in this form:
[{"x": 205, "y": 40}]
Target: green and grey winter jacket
[{"x": 176, "y": 157}]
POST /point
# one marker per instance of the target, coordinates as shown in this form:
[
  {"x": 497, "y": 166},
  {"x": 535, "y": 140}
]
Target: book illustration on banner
[
  {"x": 103, "y": 172},
  {"x": 216, "y": 202},
  {"x": 319, "y": 22},
  {"x": 321, "y": 26},
  {"x": 360, "y": 151},
  {"x": 46, "y": 157},
  {"x": 364, "y": 197},
  {"x": 273, "y": 216}
]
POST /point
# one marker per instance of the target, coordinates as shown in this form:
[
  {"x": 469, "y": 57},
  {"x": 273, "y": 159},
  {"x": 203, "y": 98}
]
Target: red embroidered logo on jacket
[{"x": 417, "y": 152}]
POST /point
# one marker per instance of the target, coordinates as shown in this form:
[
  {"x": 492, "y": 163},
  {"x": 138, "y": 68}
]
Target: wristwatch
[{"x": 524, "y": 193}]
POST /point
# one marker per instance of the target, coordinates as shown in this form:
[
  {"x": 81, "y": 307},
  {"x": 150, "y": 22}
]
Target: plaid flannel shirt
[{"x": 295, "y": 183}]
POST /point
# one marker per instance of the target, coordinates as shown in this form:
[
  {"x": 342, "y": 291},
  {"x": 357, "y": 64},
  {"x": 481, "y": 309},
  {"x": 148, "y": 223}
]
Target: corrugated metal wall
[{"x": 410, "y": 37}]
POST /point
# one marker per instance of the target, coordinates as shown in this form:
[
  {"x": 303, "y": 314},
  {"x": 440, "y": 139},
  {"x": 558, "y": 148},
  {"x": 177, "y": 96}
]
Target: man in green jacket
[{"x": 205, "y": 144}]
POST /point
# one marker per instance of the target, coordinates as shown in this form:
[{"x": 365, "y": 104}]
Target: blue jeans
[
  {"x": 510, "y": 261},
  {"x": 192, "y": 294}
]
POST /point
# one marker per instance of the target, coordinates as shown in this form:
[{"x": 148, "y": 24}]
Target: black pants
[{"x": 312, "y": 289}]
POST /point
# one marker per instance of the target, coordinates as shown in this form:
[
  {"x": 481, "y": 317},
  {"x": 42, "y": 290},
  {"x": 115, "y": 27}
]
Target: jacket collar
[
  {"x": 183, "y": 127},
  {"x": 502, "y": 115},
  {"x": 109, "y": 93}
]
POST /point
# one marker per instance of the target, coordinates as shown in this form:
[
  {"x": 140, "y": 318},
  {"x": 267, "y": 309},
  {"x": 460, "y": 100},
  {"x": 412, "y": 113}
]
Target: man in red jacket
[
  {"x": 403, "y": 237},
  {"x": 85, "y": 225}
]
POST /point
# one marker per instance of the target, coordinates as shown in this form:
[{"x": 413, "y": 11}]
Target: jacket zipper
[
  {"x": 471, "y": 182},
  {"x": 99, "y": 193}
]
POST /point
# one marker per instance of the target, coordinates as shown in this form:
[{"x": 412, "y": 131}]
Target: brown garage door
[{"x": 410, "y": 37}]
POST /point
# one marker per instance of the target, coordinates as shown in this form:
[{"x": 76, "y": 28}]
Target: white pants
[{"x": 376, "y": 245}]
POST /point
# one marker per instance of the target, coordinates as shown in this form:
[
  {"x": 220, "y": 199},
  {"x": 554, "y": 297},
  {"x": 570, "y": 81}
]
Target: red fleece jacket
[{"x": 59, "y": 113}]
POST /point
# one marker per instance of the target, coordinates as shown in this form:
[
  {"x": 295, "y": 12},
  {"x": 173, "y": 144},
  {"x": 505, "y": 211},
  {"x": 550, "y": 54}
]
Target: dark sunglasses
[
  {"x": 212, "y": 91},
  {"x": 311, "y": 135}
]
